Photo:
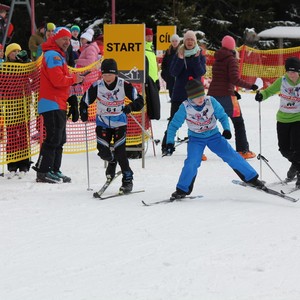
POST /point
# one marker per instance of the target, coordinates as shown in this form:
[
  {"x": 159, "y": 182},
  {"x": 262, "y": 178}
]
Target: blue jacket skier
[{"x": 201, "y": 113}]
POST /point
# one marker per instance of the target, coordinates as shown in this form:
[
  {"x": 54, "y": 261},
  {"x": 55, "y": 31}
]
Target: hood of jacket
[
  {"x": 223, "y": 53},
  {"x": 50, "y": 44}
]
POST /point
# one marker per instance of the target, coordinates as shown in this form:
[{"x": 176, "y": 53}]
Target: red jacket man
[{"x": 54, "y": 95}]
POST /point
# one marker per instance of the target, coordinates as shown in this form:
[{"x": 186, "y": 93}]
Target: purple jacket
[{"x": 225, "y": 74}]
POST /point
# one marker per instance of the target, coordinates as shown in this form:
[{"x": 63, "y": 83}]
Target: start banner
[{"x": 126, "y": 44}]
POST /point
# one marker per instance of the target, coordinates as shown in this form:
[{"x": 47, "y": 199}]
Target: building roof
[{"x": 281, "y": 32}]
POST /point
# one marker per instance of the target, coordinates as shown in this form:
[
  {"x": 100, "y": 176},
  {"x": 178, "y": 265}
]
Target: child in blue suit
[{"x": 201, "y": 113}]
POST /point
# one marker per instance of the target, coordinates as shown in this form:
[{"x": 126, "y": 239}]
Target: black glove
[
  {"x": 170, "y": 149},
  {"x": 83, "y": 109},
  {"x": 73, "y": 109},
  {"x": 127, "y": 109},
  {"x": 238, "y": 96},
  {"x": 157, "y": 84},
  {"x": 22, "y": 57},
  {"x": 254, "y": 87},
  {"x": 259, "y": 97},
  {"x": 227, "y": 134}
]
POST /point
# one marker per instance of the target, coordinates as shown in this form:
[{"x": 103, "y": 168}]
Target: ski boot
[{"x": 126, "y": 183}]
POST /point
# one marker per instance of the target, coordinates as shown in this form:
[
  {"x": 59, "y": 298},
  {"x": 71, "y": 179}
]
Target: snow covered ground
[{"x": 57, "y": 242}]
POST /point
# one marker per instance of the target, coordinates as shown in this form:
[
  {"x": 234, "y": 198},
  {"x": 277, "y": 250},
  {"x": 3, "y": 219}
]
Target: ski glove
[
  {"x": 127, "y": 109},
  {"x": 22, "y": 57},
  {"x": 170, "y": 149},
  {"x": 254, "y": 87},
  {"x": 238, "y": 96},
  {"x": 259, "y": 97},
  {"x": 227, "y": 134},
  {"x": 83, "y": 109},
  {"x": 73, "y": 109}
]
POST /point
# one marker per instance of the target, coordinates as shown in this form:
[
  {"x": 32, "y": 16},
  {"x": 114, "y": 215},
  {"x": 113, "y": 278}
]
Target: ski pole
[
  {"x": 143, "y": 129},
  {"x": 185, "y": 140},
  {"x": 261, "y": 157},
  {"x": 259, "y": 82},
  {"x": 87, "y": 158},
  {"x": 260, "y": 146}
]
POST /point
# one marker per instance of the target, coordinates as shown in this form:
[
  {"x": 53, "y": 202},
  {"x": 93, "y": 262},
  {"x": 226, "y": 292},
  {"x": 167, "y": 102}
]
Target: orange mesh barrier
[
  {"x": 19, "y": 86},
  {"x": 266, "y": 64},
  {"x": 21, "y": 128}
]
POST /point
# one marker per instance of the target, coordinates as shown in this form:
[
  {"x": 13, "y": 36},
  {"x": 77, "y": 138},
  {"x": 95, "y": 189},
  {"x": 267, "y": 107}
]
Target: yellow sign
[
  {"x": 163, "y": 36},
  {"x": 126, "y": 44}
]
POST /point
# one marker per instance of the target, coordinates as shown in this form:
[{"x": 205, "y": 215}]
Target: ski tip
[{"x": 96, "y": 195}]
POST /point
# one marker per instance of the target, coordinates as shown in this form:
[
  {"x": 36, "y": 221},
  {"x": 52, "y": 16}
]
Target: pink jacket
[{"x": 89, "y": 54}]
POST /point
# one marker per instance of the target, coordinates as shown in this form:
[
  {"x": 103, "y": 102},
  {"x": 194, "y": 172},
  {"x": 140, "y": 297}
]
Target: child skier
[
  {"x": 111, "y": 119},
  {"x": 288, "y": 115},
  {"x": 201, "y": 113}
]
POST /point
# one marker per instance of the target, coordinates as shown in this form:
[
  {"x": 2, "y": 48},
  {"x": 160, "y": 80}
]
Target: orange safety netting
[
  {"x": 21, "y": 128},
  {"x": 266, "y": 64}
]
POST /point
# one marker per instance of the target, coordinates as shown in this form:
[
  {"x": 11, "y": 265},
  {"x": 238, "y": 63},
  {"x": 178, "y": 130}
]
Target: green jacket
[{"x": 289, "y": 94}]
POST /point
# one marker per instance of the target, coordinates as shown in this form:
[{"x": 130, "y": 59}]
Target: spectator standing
[
  {"x": 35, "y": 40},
  {"x": 288, "y": 115},
  {"x": 17, "y": 127},
  {"x": 1, "y": 53},
  {"x": 89, "y": 51},
  {"x": 54, "y": 92},
  {"x": 201, "y": 114},
  {"x": 166, "y": 63},
  {"x": 152, "y": 80},
  {"x": 225, "y": 77},
  {"x": 111, "y": 119},
  {"x": 189, "y": 62},
  {"x": 75, "y": 41},
  {"x": 49, "y": 30},
  {"x": 3, "y": 23}
]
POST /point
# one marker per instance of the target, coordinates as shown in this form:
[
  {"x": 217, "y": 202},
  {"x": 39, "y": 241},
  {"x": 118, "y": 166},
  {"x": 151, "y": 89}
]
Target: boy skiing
[
  {"x": 201, "y": 113},
  {"x": 288, "y": 115},
  {"x": 111, "y": 119}
]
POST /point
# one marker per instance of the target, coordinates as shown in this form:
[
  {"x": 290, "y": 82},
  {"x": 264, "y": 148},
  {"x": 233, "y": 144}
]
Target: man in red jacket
[{"x": 54, "y": 95}]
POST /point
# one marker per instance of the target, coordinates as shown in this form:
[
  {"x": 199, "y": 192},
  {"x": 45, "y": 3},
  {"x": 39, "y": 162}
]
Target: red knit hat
[
  {"x": 149, "y": 31},
  {"x": 60, "y": 32},
  {"x": 228, "y": 42},
  {"x": 1, "y": 47}
]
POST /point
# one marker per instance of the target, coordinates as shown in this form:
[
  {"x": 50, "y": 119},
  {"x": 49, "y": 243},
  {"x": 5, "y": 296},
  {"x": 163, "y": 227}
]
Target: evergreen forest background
[{"x": 214, "y": 18}]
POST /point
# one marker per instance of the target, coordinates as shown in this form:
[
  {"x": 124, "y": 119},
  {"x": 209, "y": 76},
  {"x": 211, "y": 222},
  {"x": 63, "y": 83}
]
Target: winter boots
[
  {"x": 63, "y": 177},
  {"x": 178, "y": 194},
  {"x": 257, "y": 183},
  {"x": 52, "y": 177},
  {"x": 298, "y": 181},
  {"x": 48, "y": 177},
  {"x": 126, "y": 182},
  {"x": 247, "y": 154},
  {"x": 111, "y": 169},
  {"x": 292, "y": 172}
]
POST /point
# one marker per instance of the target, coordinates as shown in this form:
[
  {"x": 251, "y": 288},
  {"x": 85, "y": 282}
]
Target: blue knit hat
[{"x": 75, "y": 28}]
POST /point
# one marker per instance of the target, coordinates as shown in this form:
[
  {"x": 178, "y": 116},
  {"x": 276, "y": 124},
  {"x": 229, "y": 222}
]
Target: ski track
[{"x": 58, "y": 242}]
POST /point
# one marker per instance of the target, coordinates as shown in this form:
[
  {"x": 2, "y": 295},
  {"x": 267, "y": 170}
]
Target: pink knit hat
[{"x": 228, "y": 42}]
